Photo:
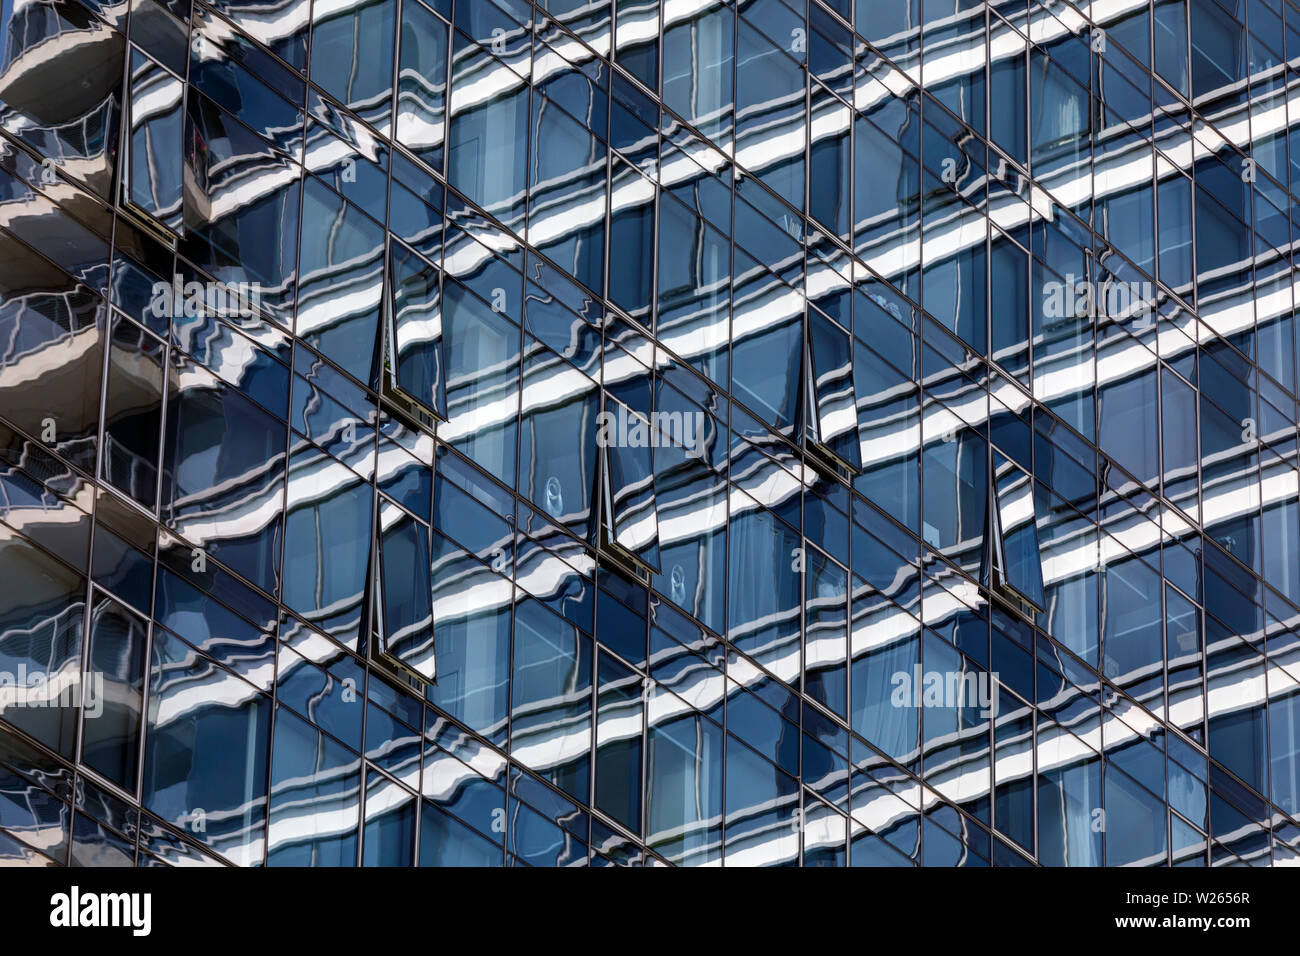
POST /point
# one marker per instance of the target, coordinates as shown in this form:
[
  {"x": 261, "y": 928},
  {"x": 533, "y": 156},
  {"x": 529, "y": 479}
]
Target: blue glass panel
[
  {"x": 205, "y": 768},
  {"x": 422, "y": 83},
  {"x": 155, "y": 143},
  {"x": 406, "y": 611},
  {"x": 111, "y": 732},
  {"x": 341, "y": 261},
  {"x": 551, "y": 698},
  {"x": 315, "y": 795},
  {"x": 352, "y": 56},
  {"x": 834, "y": 413},
  {"x": 417, "y": 329},
  {"x": 327, "y": 535}
]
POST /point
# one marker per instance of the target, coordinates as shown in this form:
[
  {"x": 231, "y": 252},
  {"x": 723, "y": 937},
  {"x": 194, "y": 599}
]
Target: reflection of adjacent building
[{"x": 73, "y": 125}]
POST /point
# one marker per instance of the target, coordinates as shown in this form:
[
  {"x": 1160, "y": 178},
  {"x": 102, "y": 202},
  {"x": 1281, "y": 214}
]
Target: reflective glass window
[{"x": 405, "y": 609}]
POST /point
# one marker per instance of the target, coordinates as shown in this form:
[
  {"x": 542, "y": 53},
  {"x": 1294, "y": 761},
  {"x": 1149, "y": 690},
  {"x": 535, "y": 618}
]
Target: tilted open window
[
  {"x": 403, "y": 589},
  {"x": 414, "y": 364},
  {"x": 628, "y": 528},
  {"x": 1013, "y": 563},
  {"x": 830, "y": 406}
]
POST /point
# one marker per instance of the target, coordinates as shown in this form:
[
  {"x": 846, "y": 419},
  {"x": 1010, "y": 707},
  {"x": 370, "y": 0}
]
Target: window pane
[
  {"x": 315, "y": 797},
  {"x": 406, "y": 612},
  {"x": 558, "y": 444},
  {"x": 698, "y": 51},
  {"x": 352, "y": 56},
  {"x": 472, "y": 637},
  {"x": 416, "y": 329},
  {"x": 631, "y": 517},
  {"x": 133, "y": 412},
  {"x": 327, "y": 543},
  {"x": 551, "y": 698},
  {"x": 41, "y": 613},
  {"x": 44, "y": 314},
  {"x": 770, "y": 122},
  {"x": 618, "y": 743},
  {"x": 834, "y": 411},
  {"x": 390, "y": 823},
  {"x": 765, "y": 587},
  {"x": 77, "y": 130},
  {"x": 422, "y": 83},
  {"x": 222, "y": 453},
  {"x": 1015, "y": 502},
  {"x": 155, "y": 146},
  {"x": 206, "y": 758},
  {"x": 684, "y": 790},
  {"x": 241, "y": 215},
  {"x": 445, "y": 841},
  {"x": 567, "y": 206},
  {"x": 111, "y": 732},
  {"x": 341, "y": 282},
  {"x": 485, "y": 160},
  {"x": 482, "y": 355}
]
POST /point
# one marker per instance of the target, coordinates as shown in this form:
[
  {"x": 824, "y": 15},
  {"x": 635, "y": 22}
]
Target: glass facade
[{"x": 687, "y": 432}]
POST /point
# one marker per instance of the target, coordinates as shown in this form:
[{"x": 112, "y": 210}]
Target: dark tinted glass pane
[
  {"x": 406, "y": 621},
  {"x": 133, "y": 412},
  {"x": 111, "y": 733},
  {"x": 352, "y": 56},
  {"x": 631, "y": 517},
  {"x": 206, "y": 760},
  {"x": 236, "y": 231},
  {"x": 389, "y": 838},
  {"x": 445, "y": 841},
  {"x": 220, "y": 451},
  {"x": 77, "y": 130},
  {"x": 618, "y": 743},
  {"x": 483, "y": 158},
  {"x": 834, "y": 408},
  {"x": 1015, "y": 498},
  {"x": 551, "y": 698},
  {"x": 315, "y": 797},
  {"x": 342, "y": 257},
  {"x": 155, "y": 145},
  {"x": 417, "y": 329},
  {"x": 41, "y": 613},
  {"x": 43, "y": 313},
  {"x": 327, "y": 543}
]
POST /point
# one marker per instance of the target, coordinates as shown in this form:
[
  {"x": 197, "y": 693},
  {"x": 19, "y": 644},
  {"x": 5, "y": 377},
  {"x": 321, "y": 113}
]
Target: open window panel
[
  {"x": 414, "y": 375},
  {"x": 628, "y": 529},
  {"x": 403, "y": 594},
  {"x": 152, "y": 167},
  {"x": 1013, "y": 566},
  {"x": 830, "y": 432}
]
